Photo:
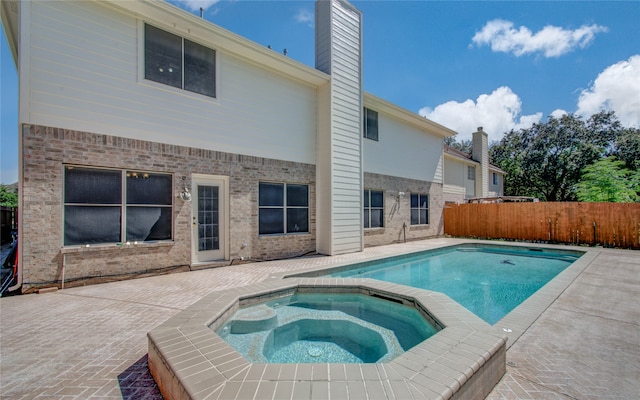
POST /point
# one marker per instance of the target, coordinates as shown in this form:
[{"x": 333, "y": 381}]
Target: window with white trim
[
  {"x": 103, "y": 206},
  {"x": 419, "y": 209},
  {"x": 494, "y": 177},
  {"x": 373, "y": 209},
  {"x": 283, "y": 208},
  {"x": 172, "y": 60},
  {"x": 370, "y": 124}
]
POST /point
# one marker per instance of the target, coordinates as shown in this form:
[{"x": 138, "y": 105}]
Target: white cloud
[
  {"x": 558, "y": 113},
  {"x": 194, "y": 5},
  {"x": 305, "y": 17},
  {"x": 497, "y": 113},
  {"x": 551, "y": 41},
  {"x": 617, "y": 88}
]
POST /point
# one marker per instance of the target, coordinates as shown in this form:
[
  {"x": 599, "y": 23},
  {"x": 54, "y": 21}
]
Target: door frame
[{"x": 223, "y": 183}]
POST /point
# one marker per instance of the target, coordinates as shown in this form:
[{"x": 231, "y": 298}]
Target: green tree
[
  {"x": 466, "y": 146},
  {"x": 627, "y": 147},
  {"x": 546, "y": 160},
  {"x": 8, "y": 198},
  {"x": 607, "y": 180}
]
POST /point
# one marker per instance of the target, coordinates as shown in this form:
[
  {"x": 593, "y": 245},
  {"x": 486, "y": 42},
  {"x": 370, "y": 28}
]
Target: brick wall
[
  {"x": 46, "y": 150},
  {"x": 397, "y": 210}
]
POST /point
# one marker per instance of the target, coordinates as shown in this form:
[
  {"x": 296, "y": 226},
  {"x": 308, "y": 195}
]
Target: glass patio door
[{"x": 208, "y": 219}]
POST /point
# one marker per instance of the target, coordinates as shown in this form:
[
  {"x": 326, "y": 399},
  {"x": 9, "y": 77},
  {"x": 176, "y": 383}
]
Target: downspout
[
  {"x": 23, "y": 41},
  {"x": 18, "y": 262}
]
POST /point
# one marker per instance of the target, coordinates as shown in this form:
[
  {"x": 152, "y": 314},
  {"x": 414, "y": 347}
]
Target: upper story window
[
  {"x": 283, "y": 208},
  {"x": 373, "y": 209},
  {"x": 471, "y": 172},
  {"x": 110, "y": 206},
  {"x": 172, "y": 60},
  {"x": 371, "y": 124},
  {"x": 419, "y": 209}
]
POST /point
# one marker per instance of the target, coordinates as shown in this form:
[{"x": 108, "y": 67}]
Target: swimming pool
[{"x": 489, "y": 280}]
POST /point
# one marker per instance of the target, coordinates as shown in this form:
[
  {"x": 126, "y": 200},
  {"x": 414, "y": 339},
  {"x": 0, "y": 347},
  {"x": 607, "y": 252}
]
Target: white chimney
[{"x": 480, "y": 153}]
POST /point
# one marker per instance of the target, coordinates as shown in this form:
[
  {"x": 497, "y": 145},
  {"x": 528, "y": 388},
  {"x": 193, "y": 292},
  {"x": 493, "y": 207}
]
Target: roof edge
[
  {"x": 165, "y": 14},
  {"x": 404, "y": 115}
]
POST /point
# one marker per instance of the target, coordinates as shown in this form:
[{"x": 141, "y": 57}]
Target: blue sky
[{"x": 501, "y": 65}]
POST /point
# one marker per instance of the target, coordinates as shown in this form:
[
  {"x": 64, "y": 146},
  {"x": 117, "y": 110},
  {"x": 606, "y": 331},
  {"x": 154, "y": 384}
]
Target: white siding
[
  {"x": 84, "y": 76},
  {"x": 454, "y": 173},
  {"x": 339, "y": 53},
  {"x": 403, "y": 151},
  {"x": 456, "y": 178}
]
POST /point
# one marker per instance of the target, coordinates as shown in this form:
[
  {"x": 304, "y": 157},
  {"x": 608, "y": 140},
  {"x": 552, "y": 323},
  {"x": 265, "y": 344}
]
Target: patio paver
[{"x": 90, "y": 342}]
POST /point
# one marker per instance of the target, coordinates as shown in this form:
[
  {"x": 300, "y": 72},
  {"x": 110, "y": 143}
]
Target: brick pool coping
[{"x": 188, "y": 360}]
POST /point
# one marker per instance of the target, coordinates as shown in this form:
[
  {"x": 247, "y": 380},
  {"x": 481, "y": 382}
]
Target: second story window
[
  {"x": 371, "y": 124},
  {"x": 471, "y": 173},
  {"x": 172, "y": 60}
]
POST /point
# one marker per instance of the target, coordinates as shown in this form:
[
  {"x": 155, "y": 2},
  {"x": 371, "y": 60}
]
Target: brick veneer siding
[
  {"x": 397, "y": 213},
  {"x": 46, "y": 150}
]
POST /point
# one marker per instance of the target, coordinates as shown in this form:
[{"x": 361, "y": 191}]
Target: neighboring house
[
  {"x": 469, "y": 177},
  {"x": 152, "y": 139}
]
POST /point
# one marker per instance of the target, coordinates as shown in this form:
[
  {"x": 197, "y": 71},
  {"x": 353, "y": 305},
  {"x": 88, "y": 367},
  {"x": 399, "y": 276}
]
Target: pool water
[
  {"x": 325, "y": 328},
  {"x": 490, "y": 281}
]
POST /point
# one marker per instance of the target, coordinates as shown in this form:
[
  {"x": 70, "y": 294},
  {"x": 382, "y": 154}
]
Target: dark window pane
[
  {"x": 366, "y": 219},
  {"x": 144, "y": 188},
  {"x": 415, "y": 217},
  {"x": 377, "y": 219},
  {"x": 162, "y": 56},
  {"x": 148, "y": 223},
  {"x": 424, "y": 201},
  {"x": 199, "y": 69},
  {"x": 424, "y": 216},
  {"x": 366, "y": 198},
  {"x": 377, "y": 199},
  {"x": 297, "y": 195},
  {"x": 91, "y": 225},
  {"x": 92, "y": 186},
  {"x": 271, "y": 220},
  {"x": 271, "y": 194},
  {"x": 414, "y": 200},
  {"x": 371, "y": 124},
  {"x": 297, "y": 220}
]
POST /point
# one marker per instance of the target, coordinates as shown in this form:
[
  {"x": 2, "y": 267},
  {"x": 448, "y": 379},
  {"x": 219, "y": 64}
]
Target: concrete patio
[{"x": 90, "y": 342}]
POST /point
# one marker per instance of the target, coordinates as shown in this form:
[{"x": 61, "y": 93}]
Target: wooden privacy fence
[{"x": 608, "y": 224}]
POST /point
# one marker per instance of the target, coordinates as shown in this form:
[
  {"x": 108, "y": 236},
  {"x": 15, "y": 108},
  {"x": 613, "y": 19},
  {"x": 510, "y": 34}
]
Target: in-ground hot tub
[
  {"x": 463, "y": 359},
  {"x": 326, "y": 327}
]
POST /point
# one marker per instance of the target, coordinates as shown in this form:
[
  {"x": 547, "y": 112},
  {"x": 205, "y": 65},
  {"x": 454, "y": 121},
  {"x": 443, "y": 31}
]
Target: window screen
[
  {"x": 98, "y": 208},
  {"x": 419, "y": 209},
  {"x": 162, "y": 56},
  {"x": 283, "y": 208},
  {"x": 370, "y": 124},
  {"x": 148, "y": 206},
  {"x": 471, "y": 173},
  {"x": 373, "y": 209},
  {"x": 199, "y": 69},
  {"x": 181, "y": 63},
  {"x": 93, "y": 206}
]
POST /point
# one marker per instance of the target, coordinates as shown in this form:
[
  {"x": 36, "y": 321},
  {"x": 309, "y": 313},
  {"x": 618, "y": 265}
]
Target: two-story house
[
  {"x": 471, "y": 176},
  {"x": 153, "y": 140}
]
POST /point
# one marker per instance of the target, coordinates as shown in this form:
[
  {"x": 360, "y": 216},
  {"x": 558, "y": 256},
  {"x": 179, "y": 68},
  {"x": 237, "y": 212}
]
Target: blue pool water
[
  {"x": 490, "y": 281},
  {"x": 325, "y": 328}
]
